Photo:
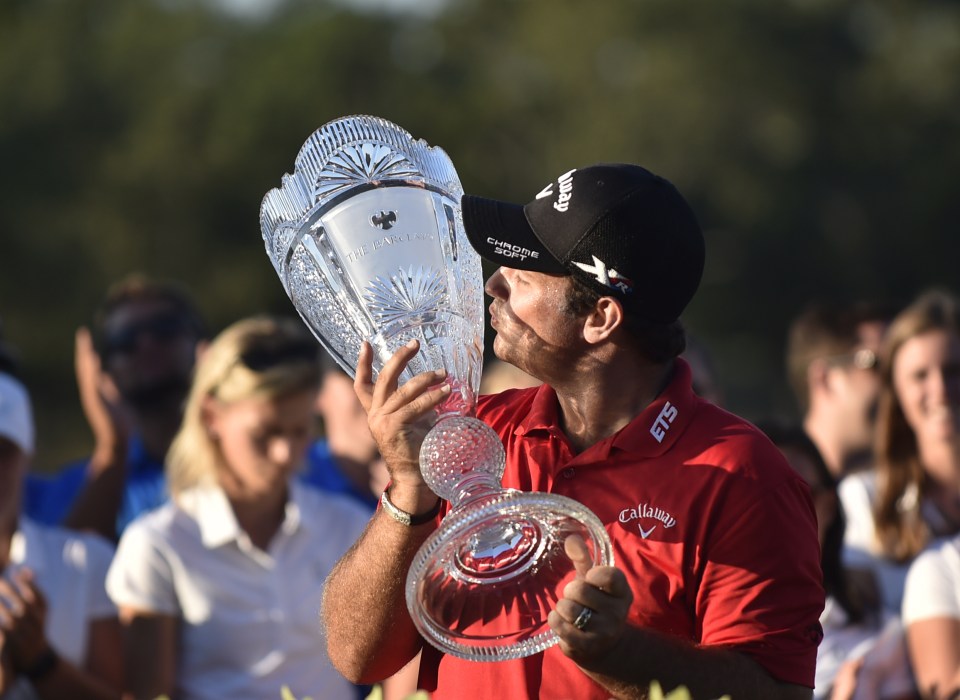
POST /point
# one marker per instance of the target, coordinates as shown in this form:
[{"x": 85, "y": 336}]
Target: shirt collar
[
  {"x": 209, "y": 506},
  {"x": 649, "y": 434},
  {"x": 660, "y": 425},
  {"x": 293, "y": 518},
  {"x": 543, "y": 414}
]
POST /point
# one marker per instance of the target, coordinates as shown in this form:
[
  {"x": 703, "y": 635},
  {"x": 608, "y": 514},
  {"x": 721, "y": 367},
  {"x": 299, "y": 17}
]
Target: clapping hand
[
  {"x": 101, "y": 402},
  {"x": 23, "y": 616}
]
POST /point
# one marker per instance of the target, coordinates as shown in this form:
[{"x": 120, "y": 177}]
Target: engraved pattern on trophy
[{"x": 411, "y": 292}]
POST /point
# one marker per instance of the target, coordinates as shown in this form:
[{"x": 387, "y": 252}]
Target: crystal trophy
[{"x": 367, "y": 238}]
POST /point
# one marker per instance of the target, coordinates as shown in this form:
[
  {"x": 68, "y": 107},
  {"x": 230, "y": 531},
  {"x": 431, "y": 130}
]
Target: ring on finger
[{"x": 583, "y": 618}]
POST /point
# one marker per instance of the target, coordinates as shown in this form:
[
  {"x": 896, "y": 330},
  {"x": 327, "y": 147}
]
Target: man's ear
[
  {"x": 607, "y": 316},
  {"x": 818, "y": 379}
]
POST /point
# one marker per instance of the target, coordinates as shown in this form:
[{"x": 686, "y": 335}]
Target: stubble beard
[{"x": 163, "y": 394}]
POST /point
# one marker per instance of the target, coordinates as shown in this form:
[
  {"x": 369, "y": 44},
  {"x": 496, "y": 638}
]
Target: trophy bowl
[
  {"x": 367, "y": 238},
  {"x": 481, "y": 586}
]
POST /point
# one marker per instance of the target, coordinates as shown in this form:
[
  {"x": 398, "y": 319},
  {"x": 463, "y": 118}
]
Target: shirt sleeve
[
  {"x": 97, "y": 554},
  {"x": 933, "y": 585},
  {"x": 859, "y": 534},
  {"x": 141, "y": 575},
  {"x": 761, "y": 593}
]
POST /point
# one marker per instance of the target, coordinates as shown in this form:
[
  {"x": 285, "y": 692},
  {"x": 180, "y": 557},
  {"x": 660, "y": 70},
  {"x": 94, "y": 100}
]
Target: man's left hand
[
  {"x": 591, "y": 618},
  {"x": 23, "y": 615}
]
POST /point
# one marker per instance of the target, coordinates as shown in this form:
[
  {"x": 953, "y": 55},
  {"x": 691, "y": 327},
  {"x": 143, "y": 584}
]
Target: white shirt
[
  {"x": 861, "y": 549},
  {"x": 251, "y": 618},
  {"x": 70, "y": 569},
  {"x": 933, "y": 583},
  {"x": 880, "y": 643}
]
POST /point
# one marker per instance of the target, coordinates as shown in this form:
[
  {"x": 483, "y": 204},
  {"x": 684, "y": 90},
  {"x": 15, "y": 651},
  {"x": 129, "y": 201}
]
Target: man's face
[
  {"x": 535, "y": 332},
  {"x": 344, "y": 420},
  {"x": 149, "y": 350},
  {"x": 855, "y": 384}
]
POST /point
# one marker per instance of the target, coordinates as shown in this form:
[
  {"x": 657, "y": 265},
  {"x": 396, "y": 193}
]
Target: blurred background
[{"x": 818, "y": 141}]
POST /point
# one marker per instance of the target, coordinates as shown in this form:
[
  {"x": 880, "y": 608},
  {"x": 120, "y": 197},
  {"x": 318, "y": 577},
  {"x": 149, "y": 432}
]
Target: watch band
[{"x": 409, "y": 519}]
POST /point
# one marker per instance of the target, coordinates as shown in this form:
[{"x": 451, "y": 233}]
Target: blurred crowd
[{"x": 186, "y": 555}]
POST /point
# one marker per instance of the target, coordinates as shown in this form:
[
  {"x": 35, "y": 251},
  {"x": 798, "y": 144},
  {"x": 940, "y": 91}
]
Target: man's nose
[{"x": 496, "y": 285}]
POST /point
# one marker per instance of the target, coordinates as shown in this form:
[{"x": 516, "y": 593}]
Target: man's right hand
[
  {"x": 99, "y": 398},
  {"x": 399, "y": 419}
]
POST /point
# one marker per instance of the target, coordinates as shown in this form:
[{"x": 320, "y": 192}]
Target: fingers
[
  {"x": 418, "y": 395},
  {"x": 26, "y": 586},
  {"x": 603, "y": 590},
  {"x": 20, "y": 598},
  {"x": 579, "y": 554},
  {"x": 389, "y": 379},
  {"x": 12, "y": 606},
  {"x": 23, "y": 612},
  {"x": 610, "y": 580},
  {"x": 602, "y": 587},
  {"x": 363, "y": 376},
  {"x": 86, "y": 364}
]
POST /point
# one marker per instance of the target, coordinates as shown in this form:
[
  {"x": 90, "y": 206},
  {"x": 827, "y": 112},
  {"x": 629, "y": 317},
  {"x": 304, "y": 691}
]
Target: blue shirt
[
  {"x": 48, "y": 499},
  {"x": 323, "y": 473}
]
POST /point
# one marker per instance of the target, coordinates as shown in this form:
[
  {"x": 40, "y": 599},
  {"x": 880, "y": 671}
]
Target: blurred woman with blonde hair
[{"x": 219, "y": 590}]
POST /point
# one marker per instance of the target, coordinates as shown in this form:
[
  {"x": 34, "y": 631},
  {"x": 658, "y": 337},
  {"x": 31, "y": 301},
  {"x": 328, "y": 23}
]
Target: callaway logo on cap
[{"x": 623, "y": 230}]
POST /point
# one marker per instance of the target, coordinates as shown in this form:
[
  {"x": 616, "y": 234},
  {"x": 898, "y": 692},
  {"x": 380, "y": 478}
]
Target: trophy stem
[{"x": 475, "y": 485}]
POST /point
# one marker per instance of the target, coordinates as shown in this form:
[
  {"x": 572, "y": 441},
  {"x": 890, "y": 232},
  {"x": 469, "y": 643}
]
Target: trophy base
[{"x": 482, "y": 585}]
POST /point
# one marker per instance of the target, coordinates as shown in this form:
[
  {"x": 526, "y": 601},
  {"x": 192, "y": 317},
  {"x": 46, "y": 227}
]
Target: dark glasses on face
[
  {"x": 162, "y": 328},
  {"x": 864, "y": 358},
  {"x": 261, "y": 359}
]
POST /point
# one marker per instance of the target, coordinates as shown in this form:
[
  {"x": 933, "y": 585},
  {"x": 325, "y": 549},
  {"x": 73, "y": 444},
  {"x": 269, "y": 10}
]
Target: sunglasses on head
[
  {"x": 162, "y": 327},
  {"x": 260, "y": 359}
]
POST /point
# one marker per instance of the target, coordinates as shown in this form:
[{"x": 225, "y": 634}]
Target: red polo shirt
[{"x": 715, "y": 532}]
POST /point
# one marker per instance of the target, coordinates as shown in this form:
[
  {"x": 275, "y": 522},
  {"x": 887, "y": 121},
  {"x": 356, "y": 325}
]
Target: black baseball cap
[{"x": 618, "y": 227}]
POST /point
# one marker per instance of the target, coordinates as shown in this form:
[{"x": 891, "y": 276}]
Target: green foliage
[
  {"x": 377, "y": 694},
  {"x": 678, "y": 693},
  {"x": 817, "y": 139}
]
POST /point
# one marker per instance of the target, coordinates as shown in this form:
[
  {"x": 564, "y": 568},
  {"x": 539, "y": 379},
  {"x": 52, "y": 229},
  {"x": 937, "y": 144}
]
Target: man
[
  {"x": 346, "y": 459},
  {"x": 832, "y": 353},
  {"x": 133, "y": 373},
  {"x": 722, "y": 594},
  {"x": 59, "y": 632}
]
